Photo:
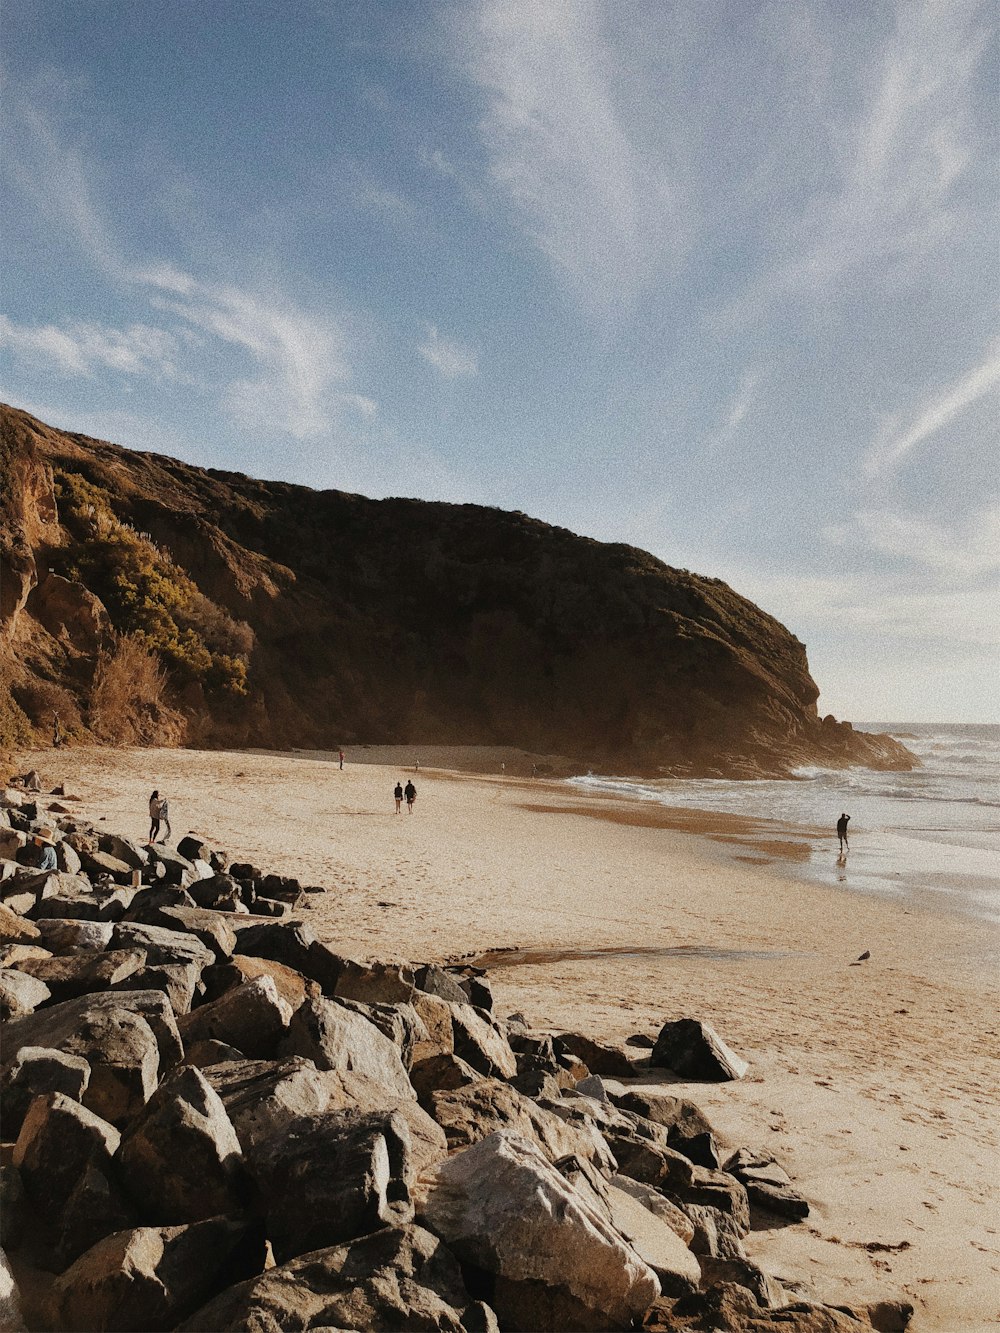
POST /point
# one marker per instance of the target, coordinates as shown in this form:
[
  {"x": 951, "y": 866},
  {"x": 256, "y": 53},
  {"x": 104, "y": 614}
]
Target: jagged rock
[
  {"x": 58, "y": 1141},
  {"x": 252, "y": 1017},
  {"x": 213, "y": 929},
  {"x": 14, "y": 929},
  {"x": 375, "y": 983},
  {"x": 145, "y": 906},
  {"x": 297, "y": 947},
  {"x": 334, "y": 1037},
  {"x": 32, "y": 1072},
  {"x": 766, "y": 1290},
  {"x": 181, "y": 1160},
  {"x": 104, "y": 863},
  {"x": 654, "y": 1202},
  {"x": 331, "y": 1177},
  {"x": 480, "y": 1041},
  {"x": 282, "y": 888},
  {"x": 428, "y": 1143},
  {"x": 716, "y": 1234},
  {"x": 11, "y": 1318},
  {"x": 730, "y": 1308},
  {"x": 13, "y": 1211},
  {"x": 81, "y": 974},
  {"x": 599, "y": 1057},
  {"x": 162, "y": 945},
  {"x": 147, "y": 1278},
  {"x": 179, "y": 982},
  {"x": 472, "y": 1113},
  {"x": 95, "y": 1208},
  {"x": 204, "y": 1054},
  {"x": 695, "y": 1050},
  {"x": 262, "y": 1097},
  {"x": 13, "y": 955},
  {"x": 395, "y": 1278},
  {"x": 217, "y": 893},
  {"x": 192, "y": 848},
  {"x": 399, "y": 1022},
  {"x": 767, "y": 1184},
  {"x": 63, "y": 935},
  {"x": 435, "y": 981},
  {"x": 592, "y": 1086},
  {"x": 124, "y": 850},
  {"x": 435, "y": 1014},
  {"x": 656, "y": 1243},
  {"x": 67, "y": 858},
  {"x": 555, "y": 1262},
  {"x": 441, "y": 1073},
  {"x": 688, "y": 1131},
  {"x": 176, "y": 868},
  {"x": 479, "y": 991},
  {"x": 59, "y": 1026},
  {"x": 20, "y": 993},
  {"x": 124, "y": 1059},
  {"x": 292, "y": 986},
  {"x": 90, "y": 904}
]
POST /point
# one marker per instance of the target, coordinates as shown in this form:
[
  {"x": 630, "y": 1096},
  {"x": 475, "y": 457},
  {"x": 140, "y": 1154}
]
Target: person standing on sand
[
  {"x": 842, "y": 823},
  {"x": 410, "y": 792},
  {"x": 154, "y": 817},
  {"x": 398, "y": 794},
  {"x": 341, "y": 759},
  {"x": 164, "y": 818}
]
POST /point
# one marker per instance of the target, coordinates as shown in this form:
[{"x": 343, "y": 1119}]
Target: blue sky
[{"x": 716, "y": 279}]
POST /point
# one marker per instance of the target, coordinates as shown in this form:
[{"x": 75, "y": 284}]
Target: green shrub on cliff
[{"x": 146, "y": 594}]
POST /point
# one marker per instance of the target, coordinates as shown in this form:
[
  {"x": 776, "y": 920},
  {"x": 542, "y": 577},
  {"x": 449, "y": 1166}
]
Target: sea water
[{"x": 930, "y": 836}]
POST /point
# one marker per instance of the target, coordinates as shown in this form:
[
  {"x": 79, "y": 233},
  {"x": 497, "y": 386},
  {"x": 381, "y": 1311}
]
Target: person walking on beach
[
  {"x": 842, "y": 823},
  {"x": 398, "y": 794},
  {"x": 154, "y": 817},
  {"x": 341, "y": 759},
  {"x": 410, "y": 792}
]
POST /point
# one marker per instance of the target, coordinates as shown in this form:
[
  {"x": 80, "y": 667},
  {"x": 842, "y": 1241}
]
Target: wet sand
[{"x": 875, "y": 1084}]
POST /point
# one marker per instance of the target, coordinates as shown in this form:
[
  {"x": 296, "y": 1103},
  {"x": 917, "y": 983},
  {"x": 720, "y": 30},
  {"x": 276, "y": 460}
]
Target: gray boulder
[
  {"x": 481, "y": 1041},
  {"x": 768, "y": 1185},
  {"x": 80, "y": 974},
  {"x": 599, "y": 1057},
  {"x": 58, "y": 1141},
  {"x": 441, "y": 1073},
  {"x": 688, "y": 1131},
  {"x": 33, "y": 1072},
  {"x": 395, "y": 1278},
  {"x": 213, "y": 929},
  {"x": 147, "y": 1278},
  {"x": 179, "y": 982},
  {"x": 695, "y": 1050},
  {"x": 334, "y": 1037},
  {"x": 124, "y": 1059},
  {"x": 68, "y": 935},
  {"x": 124, "y": 850},
  {"x": 95, "y": 1208},
  {"x": 162, "y": 945},
  {"x": 554, "y": 1261},
  {"x": 181, "y": 1160},
  {"x": 14, "y": 929},
  {"x": 262, "y": 1097},
  {"x": 330, "y": 1177},
  {"x": 252, "y": 1017},
  {"x": 655, "y": 1241},
  {"x": 436, "y": 981},
  {"x": 20, "y": 993},
  {"x": 177, "y": 869}
]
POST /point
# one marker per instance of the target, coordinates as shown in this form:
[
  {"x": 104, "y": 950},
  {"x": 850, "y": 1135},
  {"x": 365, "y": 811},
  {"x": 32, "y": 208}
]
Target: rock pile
[{"x": 212, "y": 1120}]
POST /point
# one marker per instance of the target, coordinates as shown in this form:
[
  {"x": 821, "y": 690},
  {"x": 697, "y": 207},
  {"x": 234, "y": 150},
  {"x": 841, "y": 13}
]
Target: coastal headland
[{"x": 873, "y": 1084}]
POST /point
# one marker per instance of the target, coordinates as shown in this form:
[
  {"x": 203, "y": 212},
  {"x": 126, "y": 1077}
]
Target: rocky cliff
[{"x": 142, "y": 599}]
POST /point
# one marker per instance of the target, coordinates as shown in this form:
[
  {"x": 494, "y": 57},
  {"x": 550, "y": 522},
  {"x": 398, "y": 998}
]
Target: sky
[{"x": 715, "y": 278}]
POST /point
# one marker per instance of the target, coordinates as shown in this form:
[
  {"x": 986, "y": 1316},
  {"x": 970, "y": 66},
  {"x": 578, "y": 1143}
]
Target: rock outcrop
[{"x": 277, "y": 609}]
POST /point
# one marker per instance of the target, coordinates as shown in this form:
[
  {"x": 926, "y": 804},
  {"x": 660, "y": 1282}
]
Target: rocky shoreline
[{"x": 213, "y": 1120}]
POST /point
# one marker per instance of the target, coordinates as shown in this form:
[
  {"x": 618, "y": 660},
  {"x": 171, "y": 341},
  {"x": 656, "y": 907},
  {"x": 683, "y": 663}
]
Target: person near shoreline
[
  {"x": 341, "y": 758},
  {"x": 410, "y": 792},
  {"x": 398, "y": 794},
  {"x": 842, "y": 823}
]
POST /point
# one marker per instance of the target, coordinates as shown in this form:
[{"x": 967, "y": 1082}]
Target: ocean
[{"x": 930, "y": 837}]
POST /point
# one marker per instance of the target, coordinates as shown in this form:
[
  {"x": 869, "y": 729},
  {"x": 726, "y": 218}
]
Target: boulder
[
  {"x": 80, "y": 974},
  {"x": 58, "y": 1141},
  {"x": 145, "y": 906},
  {"x": 654, "y": 1202},
  {"x": 124, "y": 1059},
  {"x": 67, "y": 858},
  {"x": 295, "y": 945},
  {"x": 162, "y": 945},
  {"x": 63, "y": 935},
  {"x": 688, "y": 1131},
  {"x": 179, "y": 982},
  {"x": 213, "y": 929},
  {"x": 177, "y": 869},
  {"x": 768, "y": 1185},
  {"x": 147, "y": 1277},
  {"x": 552, "y": 1260},
  {"x": 599, "y": 1057},
  {"x": 479, "y": 991},
  {"x": 435, "y": 1014},
  {"x": 335, "y": 1038},
  {"x": 181, "y": 1160},
  {"x": 481, "y": 1042},
  {"x": 14, "y": 929},
  {"x": 11, "y": 1317},
  {"x": 91, "y": 904},
  {"x": 656, "y": 1243},
  {"x": 252, "y": 1017},
  {"x": 767, "y": 1291},
  {"x": 441, "y": 1073},
  {"x": 33, "y": 1072},
  {"x": 292, "y": 986},
  {"x": 695, "y": 1050},
  {"x": 435, "y": 981},
  {"x": 262, "y": 1097},
  {"x": 95, "y": 1208},
  {"x": 282, "y": 888},
  {"x": 104, "y": 863},
  {"x": 124, "y": 850},
  {"x": 731, "y": 1308},
  {"x": 192, "y": 848},
  {"x": 217, "y": 893},
  {"x": 472, "y": 1113},
  {"x": 357, "y": 1092},
  {"x": 395, "y": 1278},
  {"x": 20, "y": 993},
  {"x": 399, "y": 1022},
  {"x": 329, "y": 1177},
  {"x": 716, "y": 1234},
  {"x": 58, "y": 1025},
  {"x": 204, "y": 1054}
]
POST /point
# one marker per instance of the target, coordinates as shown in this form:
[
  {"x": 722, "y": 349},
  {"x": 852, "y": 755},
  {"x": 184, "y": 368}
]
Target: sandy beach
[{"x": 875, "y": 1085}]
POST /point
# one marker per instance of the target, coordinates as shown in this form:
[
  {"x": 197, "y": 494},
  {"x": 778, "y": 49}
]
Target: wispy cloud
[
  {"x": 450, "y": 358},
  {"x": 79, "y": 348},
  {"x": 735, "y": 413},
  {"x": 963, "y": 550},
  {"x": 558, "y": 147},
  {"x": 895, "y": 440}
]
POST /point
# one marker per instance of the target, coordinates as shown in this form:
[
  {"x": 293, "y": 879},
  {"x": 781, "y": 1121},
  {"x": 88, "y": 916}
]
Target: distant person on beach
[
  {"x": 341, "y": 759},
  {"x": 154, "y": 817},
  {"x": 410, "y": 792},
  {"x": 165, "y": 817},
  {"x": 842, "y": 823},
  {"x": 398, "y": 793}
]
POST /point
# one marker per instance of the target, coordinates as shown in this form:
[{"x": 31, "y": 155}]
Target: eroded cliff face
[{"x": 294, "y": 617}]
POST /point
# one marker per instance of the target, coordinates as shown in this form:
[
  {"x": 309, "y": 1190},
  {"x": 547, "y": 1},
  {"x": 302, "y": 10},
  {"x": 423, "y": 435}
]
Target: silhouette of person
[
  {"x": 842, "y": 823},
  {"x": 398, "y": 794},
  {"x": 341, "y": 759},
  {"x": 410, "y": 792}
]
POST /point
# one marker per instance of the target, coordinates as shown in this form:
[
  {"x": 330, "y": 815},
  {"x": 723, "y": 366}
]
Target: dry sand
[{"x": 874, "y": 1085}]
